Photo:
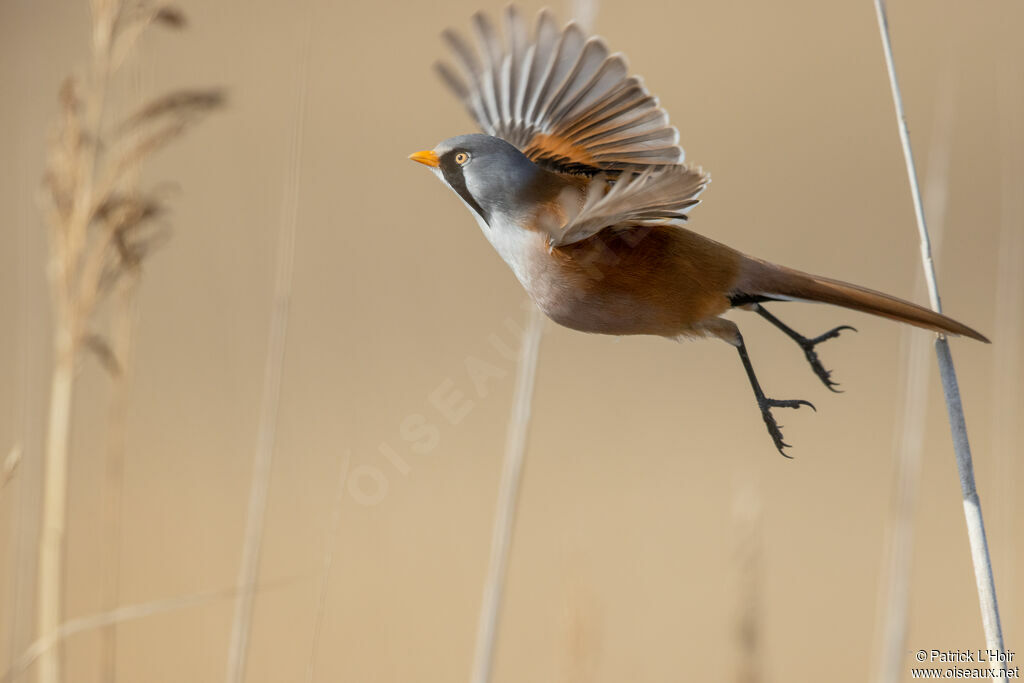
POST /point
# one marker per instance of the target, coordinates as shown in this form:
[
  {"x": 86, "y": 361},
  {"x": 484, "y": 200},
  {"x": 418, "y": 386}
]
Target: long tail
[{"x": 760, "y": 280}]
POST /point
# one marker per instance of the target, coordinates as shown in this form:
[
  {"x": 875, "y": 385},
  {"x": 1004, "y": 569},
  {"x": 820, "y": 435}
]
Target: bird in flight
[{"x": 579, "y": 183}]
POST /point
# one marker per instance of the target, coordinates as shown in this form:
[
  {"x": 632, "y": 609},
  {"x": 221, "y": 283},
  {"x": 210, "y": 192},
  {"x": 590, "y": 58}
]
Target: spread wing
[
  {"x": 653, "y": 197},
  {"x": 560, "y": 97}
]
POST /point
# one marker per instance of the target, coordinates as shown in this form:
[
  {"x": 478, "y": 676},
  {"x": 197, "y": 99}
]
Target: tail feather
[{"x": 760, "y": 278}]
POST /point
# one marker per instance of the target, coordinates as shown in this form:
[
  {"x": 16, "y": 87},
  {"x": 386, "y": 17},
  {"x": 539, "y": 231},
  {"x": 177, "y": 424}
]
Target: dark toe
[
  {"x": 774, "y": 429},
  {"x": 831, "y": 334},
  {"x": 824, "y": 375},
  {"x": 789, "y": 403}
]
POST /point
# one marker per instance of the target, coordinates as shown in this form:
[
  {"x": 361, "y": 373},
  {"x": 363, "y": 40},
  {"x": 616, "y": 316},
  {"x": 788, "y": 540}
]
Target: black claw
[
  {"x": 823, "y": 374},
  {"x": 808, "y": 346},
  {"x": 774, "y": 428}
]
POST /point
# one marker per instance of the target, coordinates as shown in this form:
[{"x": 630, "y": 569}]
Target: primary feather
[{"x": 559, "y": 97}]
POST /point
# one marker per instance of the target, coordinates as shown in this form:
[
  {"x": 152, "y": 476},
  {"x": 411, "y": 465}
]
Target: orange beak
[{"x": 426, "y": 157}]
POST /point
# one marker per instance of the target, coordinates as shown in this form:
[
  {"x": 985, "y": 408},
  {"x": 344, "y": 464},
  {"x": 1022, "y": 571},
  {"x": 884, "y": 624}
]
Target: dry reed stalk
[
  {"x": 51, "y": 542},
  {"x": 958, "y": 427},
  {"x": 241, "y": 627},
  {"x": 330, "y": 541},
  {"x": 98, "y": 232},
  {"x": 585, "y": 12},
  {"x": 508, "y": 498},
  {"x": 894, "y": 597}
]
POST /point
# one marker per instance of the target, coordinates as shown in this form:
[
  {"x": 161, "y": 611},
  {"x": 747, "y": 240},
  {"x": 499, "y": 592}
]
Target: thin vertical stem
[
  {"x": 908, "y": 158},
  {"x": 79, "y": 261},
  {"x": 69, "y": 317},
  {"x": 55, "y": 487},
  {"x": 508, "y": 497},
  {"x": 909, "y": 447},
  {"x": 585, "y": 12},
  {"x": 325, "y": 576},
  {"x": 958, "y": 426},
  {"x": 248, "y": 572}
]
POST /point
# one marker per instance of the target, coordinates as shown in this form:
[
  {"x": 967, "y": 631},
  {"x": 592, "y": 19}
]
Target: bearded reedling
[{"x": 580, "y": 186}]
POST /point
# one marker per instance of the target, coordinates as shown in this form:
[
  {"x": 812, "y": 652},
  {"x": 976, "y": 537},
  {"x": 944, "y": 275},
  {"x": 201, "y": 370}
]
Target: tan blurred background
[{"x": 630, "y": 561}]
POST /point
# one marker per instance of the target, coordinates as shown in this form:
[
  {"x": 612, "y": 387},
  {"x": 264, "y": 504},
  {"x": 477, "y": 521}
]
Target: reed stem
[
  {"x": 55, "y": 487},
  {"x": 508, "y": 498},
  {"x": 958, "y": 426},
  {"x": 273, "y": 371}
]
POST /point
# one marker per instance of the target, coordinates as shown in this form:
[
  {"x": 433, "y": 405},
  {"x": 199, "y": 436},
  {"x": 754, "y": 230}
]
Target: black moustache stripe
[{"x": 453, "y": 175}]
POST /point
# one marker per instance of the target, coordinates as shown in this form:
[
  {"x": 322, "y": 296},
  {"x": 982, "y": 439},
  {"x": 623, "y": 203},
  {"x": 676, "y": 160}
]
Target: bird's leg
[
  {"x": 807, "y": 344},
  {"x": 763, "y": 402}
]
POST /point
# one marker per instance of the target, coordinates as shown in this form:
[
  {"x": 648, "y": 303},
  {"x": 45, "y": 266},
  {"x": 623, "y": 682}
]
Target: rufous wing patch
[{"x": 559, "y": 151}]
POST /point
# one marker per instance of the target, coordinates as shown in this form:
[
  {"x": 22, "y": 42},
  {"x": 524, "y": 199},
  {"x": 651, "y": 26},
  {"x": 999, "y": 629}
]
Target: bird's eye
[{"x": 461, "y": 158}]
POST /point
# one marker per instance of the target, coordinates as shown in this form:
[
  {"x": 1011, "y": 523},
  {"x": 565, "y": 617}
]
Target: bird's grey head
[{"x": 491, "y": 176}]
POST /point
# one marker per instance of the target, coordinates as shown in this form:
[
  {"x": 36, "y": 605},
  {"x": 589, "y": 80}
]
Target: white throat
[{"x": 512, "y": 242}]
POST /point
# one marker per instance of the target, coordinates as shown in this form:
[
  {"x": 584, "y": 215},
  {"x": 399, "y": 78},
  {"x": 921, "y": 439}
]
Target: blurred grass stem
[
  {"x": 273, "y": 370},
  {"x": 585, "y": 12},
  {"x": 70, "y": 314},
  {"x": 508, "y": 498},
  {"x": 99, "y": 234},
  {"x": 894, "y": 595},
  {"x": 330, "y": 541}
]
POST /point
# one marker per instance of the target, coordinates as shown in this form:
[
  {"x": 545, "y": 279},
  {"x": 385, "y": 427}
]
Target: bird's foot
[
  {"x": 812, "y": 357},
  {"x": 766, "y": 404},
  {"x": 807, "y": 344}
]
